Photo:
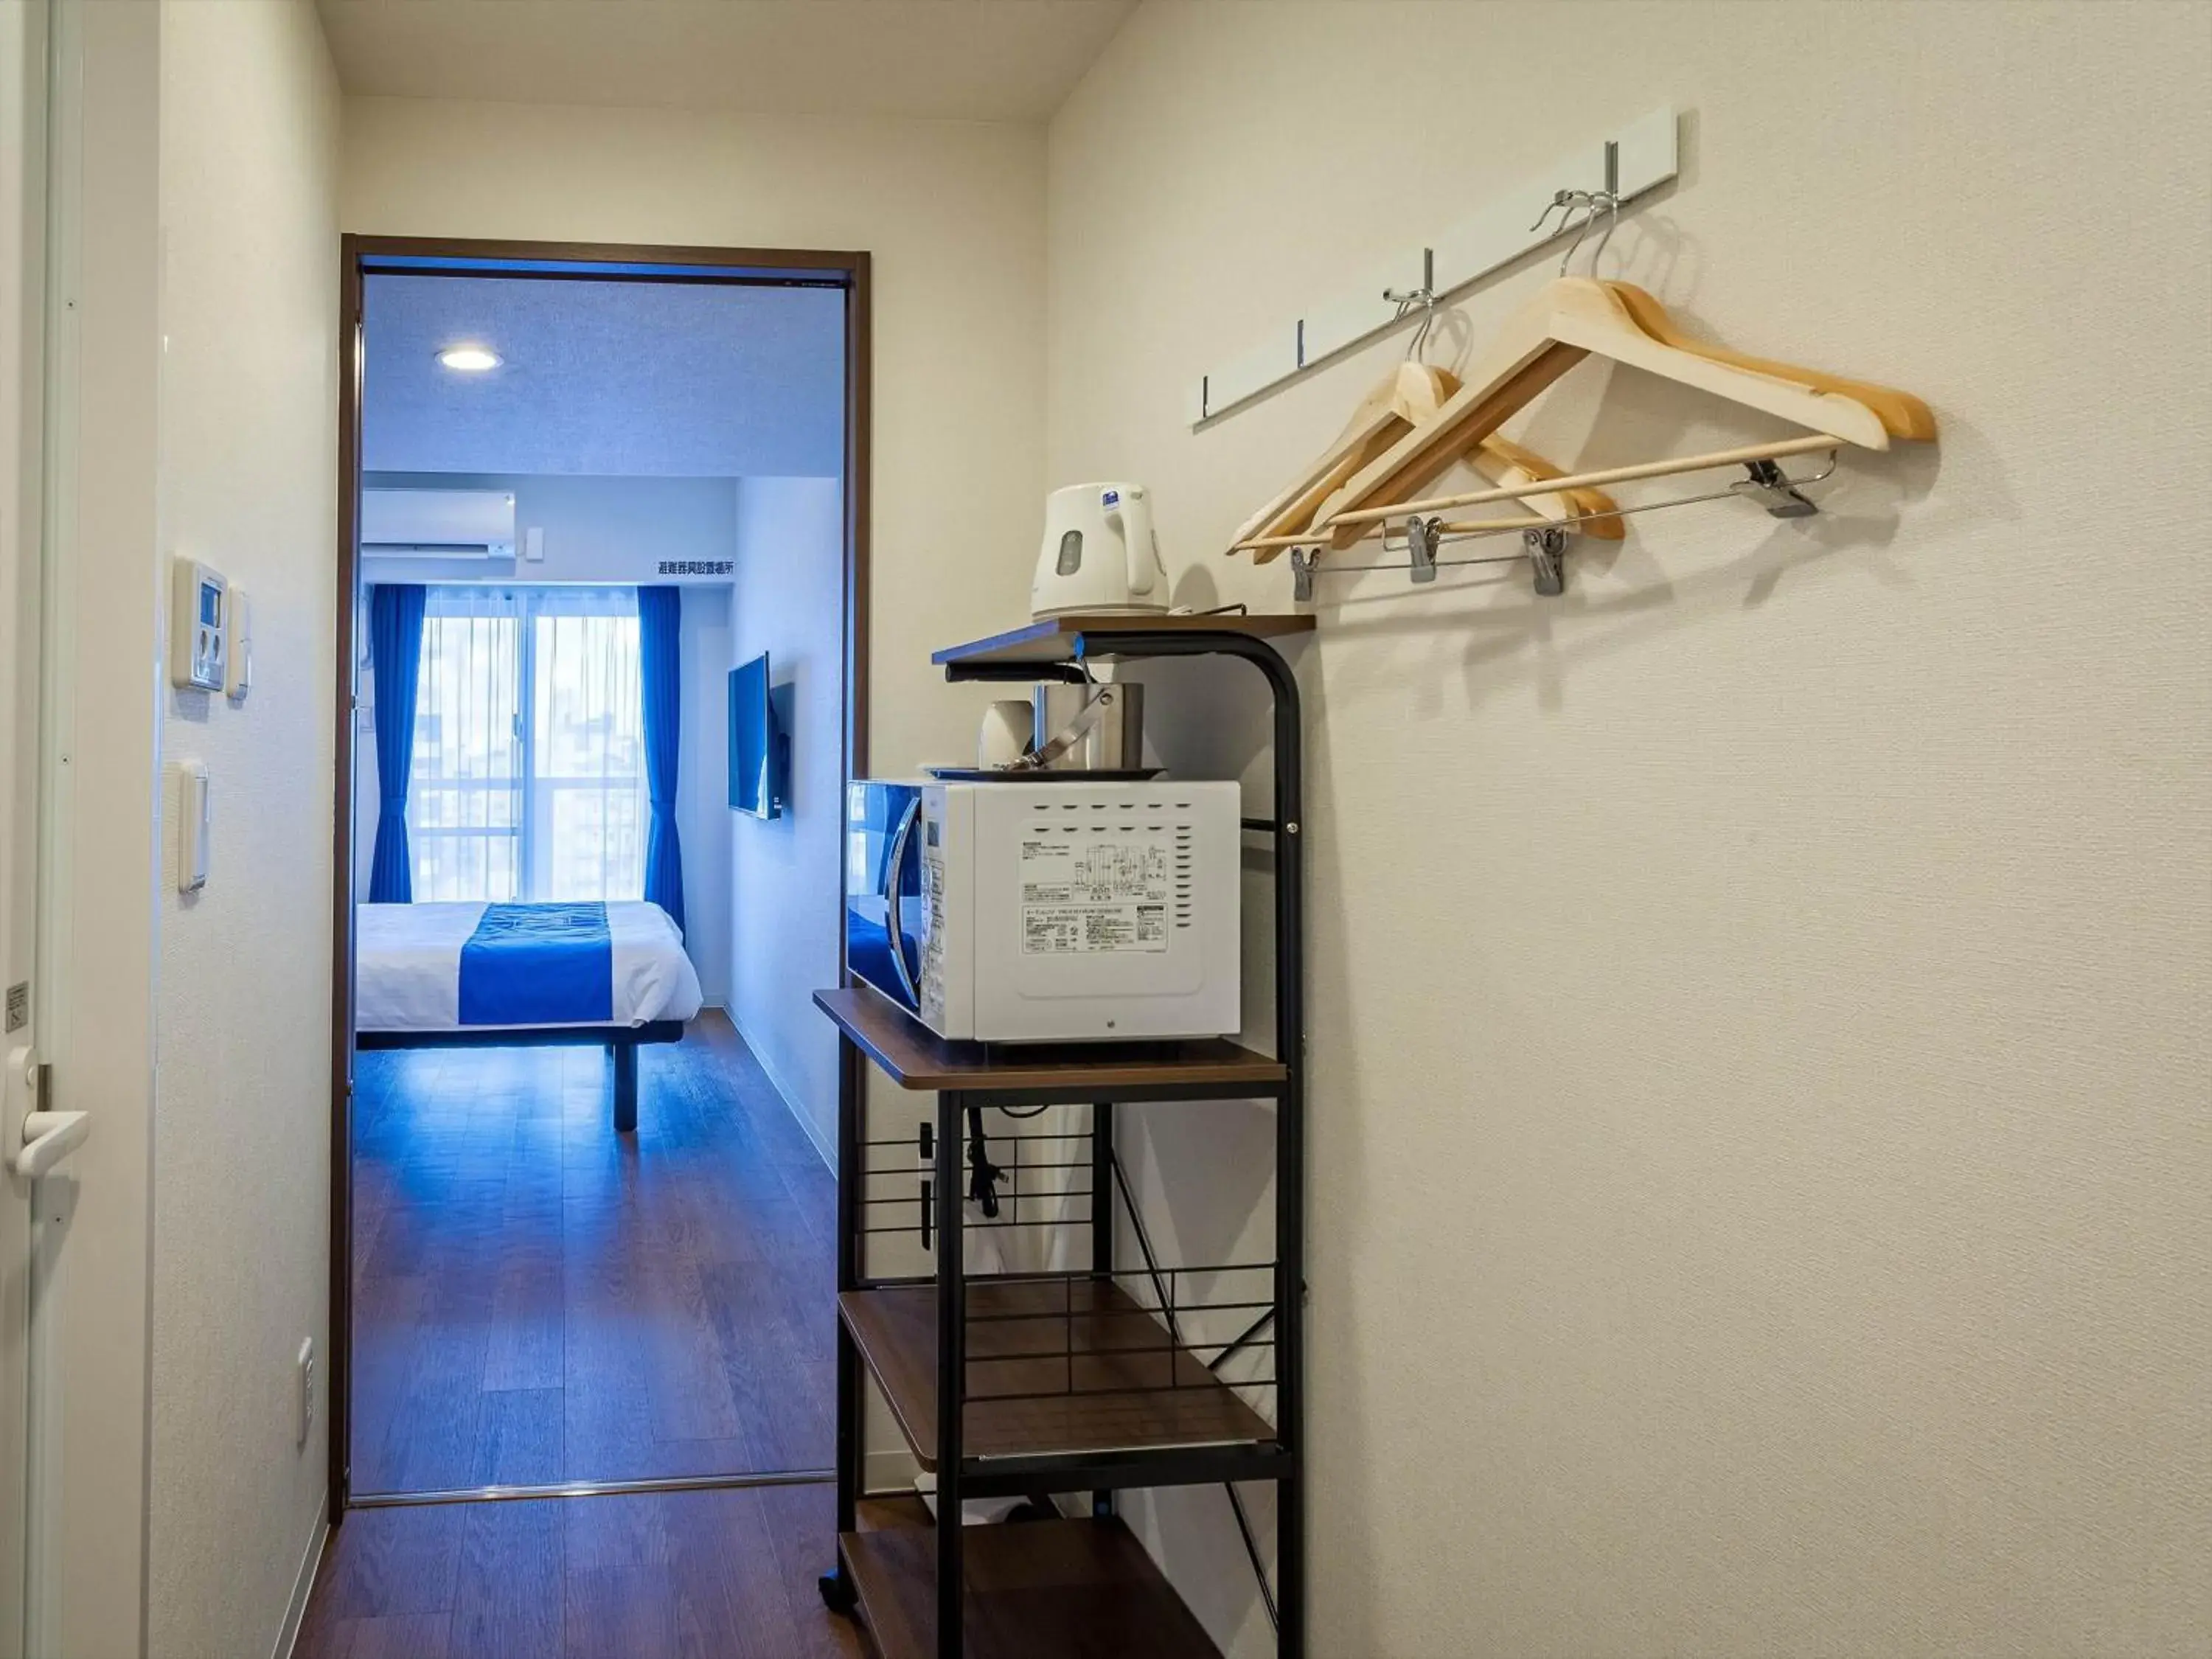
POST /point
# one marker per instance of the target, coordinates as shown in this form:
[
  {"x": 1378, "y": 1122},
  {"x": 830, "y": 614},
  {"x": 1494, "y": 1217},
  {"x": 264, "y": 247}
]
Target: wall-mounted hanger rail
[
  {"x": 1627, "y": 163},
  {"x": 1399, "y": 445}
]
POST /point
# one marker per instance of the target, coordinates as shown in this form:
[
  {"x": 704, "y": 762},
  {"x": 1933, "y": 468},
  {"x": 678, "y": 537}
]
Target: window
[{"x": 529, "y": 774}]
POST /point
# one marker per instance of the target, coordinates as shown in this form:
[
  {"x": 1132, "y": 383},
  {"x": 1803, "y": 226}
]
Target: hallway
[
  {"x": 539, "y": 1300},
  {"x": 693, "y": 1575}
]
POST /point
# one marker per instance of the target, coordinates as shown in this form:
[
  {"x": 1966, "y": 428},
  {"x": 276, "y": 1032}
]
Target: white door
[
  {"x": 37, "y": 1142},
  {"x": 21, "y": 76}
]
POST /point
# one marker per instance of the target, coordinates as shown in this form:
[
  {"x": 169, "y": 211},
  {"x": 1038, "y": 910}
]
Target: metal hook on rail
[
  {"x": 1423, "y": 298},
  {"x": 1593, "y": 202}
]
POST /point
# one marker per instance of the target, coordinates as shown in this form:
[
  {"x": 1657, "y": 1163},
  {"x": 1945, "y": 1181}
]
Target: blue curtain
[
  {"x": 395, "y": 651},
  {"x": 660, "y": 665}
]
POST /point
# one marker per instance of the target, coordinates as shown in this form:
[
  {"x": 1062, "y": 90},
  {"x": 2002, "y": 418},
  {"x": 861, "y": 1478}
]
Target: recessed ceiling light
[{"x": 469, "y": 359}]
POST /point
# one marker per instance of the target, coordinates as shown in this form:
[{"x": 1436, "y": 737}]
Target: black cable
[{"x": 983, "y": 1175}]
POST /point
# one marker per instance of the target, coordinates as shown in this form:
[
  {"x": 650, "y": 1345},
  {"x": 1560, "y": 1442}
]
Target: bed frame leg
[{"x": 625, "y": 1088}]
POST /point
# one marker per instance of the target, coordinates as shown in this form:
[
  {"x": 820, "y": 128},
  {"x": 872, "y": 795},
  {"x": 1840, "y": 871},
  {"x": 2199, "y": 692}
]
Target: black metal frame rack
[{"x": 1091, "y": 1380}]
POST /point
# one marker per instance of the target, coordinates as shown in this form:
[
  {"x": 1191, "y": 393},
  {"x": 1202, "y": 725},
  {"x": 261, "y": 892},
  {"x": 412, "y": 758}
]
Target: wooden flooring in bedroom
[{"x": 537, "y": 1299}]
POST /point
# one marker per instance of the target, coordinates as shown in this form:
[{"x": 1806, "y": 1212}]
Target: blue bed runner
[{"x": 539, "y": 965}]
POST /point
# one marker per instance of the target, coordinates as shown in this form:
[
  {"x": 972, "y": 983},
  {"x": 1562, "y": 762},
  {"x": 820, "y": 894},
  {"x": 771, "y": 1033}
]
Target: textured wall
[
  {"x": 785, "y": 913},
  {"x": 1761, "y": 1158},
  {"x": 241, "y": 1143},
  {"x": 598, "y": 528},
  {"x": 702, "y": 786}
]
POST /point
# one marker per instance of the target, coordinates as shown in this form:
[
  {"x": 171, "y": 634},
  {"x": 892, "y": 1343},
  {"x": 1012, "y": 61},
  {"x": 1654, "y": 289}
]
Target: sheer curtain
[
  {"x": 587, "y": 810},
  {"x": 529, "y": 779},
  {"x": 465, "y": 798}
]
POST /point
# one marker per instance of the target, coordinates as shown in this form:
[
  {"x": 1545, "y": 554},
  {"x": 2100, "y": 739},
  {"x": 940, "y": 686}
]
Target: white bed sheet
[{"x": 408, "y": 960}]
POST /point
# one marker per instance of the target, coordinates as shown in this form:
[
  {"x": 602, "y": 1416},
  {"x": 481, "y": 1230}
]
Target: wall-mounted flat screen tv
[{"x": 757, "y": 749}]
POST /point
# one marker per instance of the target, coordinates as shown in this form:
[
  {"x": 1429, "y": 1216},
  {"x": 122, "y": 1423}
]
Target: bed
[{"x": 508, "y": 975}]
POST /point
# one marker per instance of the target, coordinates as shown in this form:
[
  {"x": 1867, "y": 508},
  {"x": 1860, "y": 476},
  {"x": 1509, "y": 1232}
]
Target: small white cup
[{"x": 1008, "y": 728}]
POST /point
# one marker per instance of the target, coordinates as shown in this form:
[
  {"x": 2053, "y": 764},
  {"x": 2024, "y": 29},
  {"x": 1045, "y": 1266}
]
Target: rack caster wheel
[{"x": 837, "y": 1592}]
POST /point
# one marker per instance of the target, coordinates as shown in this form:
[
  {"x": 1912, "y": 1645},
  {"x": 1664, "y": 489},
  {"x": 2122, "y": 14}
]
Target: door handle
[{"x": 48, "y": 1137}]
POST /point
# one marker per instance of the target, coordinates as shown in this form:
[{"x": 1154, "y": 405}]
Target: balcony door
[{"x": 529, "y": 769}]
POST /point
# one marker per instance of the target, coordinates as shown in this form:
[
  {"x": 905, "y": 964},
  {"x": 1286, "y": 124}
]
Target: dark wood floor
[
  {"x": 693, "y": 1574},
  {"x": 538, "y": 1299}
]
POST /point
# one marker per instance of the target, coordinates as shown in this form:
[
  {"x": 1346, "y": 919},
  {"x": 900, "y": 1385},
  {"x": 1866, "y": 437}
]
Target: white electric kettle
[{"x": 1099, "y": 556}]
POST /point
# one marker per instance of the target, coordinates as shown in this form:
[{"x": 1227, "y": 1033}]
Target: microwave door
[
  {"x": 877, "y": 814},
  {"x": 902, "y": 907}
]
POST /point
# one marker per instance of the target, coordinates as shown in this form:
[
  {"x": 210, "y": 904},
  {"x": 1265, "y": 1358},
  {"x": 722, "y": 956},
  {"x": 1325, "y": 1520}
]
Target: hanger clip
[
  {"x": 1547, "y": 557},
  {"x": 1770, "y": 486},
  {"x": 1302, "y": 566},
  {"x": 1422, "y": 539}
]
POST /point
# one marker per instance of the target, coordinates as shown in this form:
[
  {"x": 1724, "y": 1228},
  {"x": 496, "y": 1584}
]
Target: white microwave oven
[{"x": 1047, "y": 912}]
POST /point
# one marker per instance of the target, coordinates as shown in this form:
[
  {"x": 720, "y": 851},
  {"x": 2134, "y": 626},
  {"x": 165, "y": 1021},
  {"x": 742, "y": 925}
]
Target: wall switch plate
[
  {"x": 303, "y": 1418},
  {"x": 195, "y": 825},
  {"x": 238, "y": 672}
]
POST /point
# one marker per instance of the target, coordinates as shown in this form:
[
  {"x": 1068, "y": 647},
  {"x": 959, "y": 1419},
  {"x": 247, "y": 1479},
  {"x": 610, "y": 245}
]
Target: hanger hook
[
  {"x": 1423, "y": 299},
  {"x": 1609, "y": 204},
  {"x": 1416, "y": 347},
  {"x": 1560, "y": 198},
  {"x": 1584, "y": 199}
]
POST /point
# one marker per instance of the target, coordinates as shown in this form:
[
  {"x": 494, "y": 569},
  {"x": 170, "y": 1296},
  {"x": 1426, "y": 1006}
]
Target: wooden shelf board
[
  {"x": 1116, "y": 1374},
  {"x": 886, "y": 1513},
  {"x": 1053, "y": 641},
  {"x": 1037, "y": 1589},
  {"x": 914, "y": 1057}
]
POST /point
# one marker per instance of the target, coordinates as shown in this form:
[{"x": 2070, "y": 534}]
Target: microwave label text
[
  {"x": 932, "y": 929},
  {"x": 1095, "y": 890}
]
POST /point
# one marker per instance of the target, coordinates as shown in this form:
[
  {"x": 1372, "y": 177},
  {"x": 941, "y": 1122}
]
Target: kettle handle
[{"x": 1135, "y": 512}]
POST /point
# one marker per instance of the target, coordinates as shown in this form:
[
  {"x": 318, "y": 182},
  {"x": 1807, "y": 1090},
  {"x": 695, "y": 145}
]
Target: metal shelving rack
[{"x": 1034, "y": 1384}]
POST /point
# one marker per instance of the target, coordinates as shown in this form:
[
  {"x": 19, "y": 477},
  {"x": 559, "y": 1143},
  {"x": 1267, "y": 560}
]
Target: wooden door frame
[{"x": 467, "y": 256}]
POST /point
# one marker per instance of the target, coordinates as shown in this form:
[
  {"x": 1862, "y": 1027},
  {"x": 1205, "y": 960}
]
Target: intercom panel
[{"x": 199, "y": 633}]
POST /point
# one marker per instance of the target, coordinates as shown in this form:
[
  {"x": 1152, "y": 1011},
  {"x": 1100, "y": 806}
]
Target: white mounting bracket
[{"x": 1629, "y": 162}]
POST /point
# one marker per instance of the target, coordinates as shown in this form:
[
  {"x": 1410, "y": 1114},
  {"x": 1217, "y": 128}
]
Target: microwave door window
[
  {"x": 881, "y": 858},
  {"x": 910, "y": 911},
  {"x": 914, "y": 916}
]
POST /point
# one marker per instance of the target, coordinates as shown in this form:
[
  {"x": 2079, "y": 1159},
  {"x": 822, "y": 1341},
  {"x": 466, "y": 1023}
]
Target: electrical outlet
[{"x": 303, "y": 1416}]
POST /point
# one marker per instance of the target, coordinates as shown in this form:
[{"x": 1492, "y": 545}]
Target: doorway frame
[{"x": 555, "y": 261}]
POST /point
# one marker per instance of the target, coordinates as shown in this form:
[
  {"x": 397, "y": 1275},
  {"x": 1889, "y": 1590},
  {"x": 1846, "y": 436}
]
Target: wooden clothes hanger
[
  {"x": 1398, "y": 403},
  {"x": 1571, "y": 319},
  {"x": 1392, "y": 406},
  {"x": 1901, "y": 414}
]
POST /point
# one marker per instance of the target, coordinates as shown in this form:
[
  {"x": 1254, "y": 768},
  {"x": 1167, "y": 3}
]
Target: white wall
[
  {"x": 1758, "y": 1145},
  {"x": 702, "y": 786},
  {"x": 785, "y": 885},
  {"x": 249, "y": 116},
  {"x": 597, "y": 528},
  {"x": 616, "y": 531},
  {"x": 952, "y": 213}
]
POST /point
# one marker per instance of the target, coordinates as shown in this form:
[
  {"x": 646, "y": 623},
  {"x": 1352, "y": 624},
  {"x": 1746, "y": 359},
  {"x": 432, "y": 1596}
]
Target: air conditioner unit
[{"x": 437, "y": 524}]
